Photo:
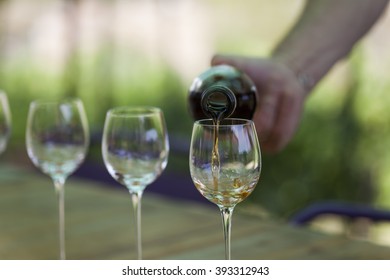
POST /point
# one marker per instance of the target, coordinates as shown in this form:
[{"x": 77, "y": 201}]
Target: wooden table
[{"x": 100, "y": 225}]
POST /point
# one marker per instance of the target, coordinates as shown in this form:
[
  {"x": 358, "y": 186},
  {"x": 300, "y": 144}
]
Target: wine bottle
[{"x": 220, "y": 92}]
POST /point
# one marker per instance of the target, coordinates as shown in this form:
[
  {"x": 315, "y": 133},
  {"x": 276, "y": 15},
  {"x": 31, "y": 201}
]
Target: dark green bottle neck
[{"x": 218, "y": 102}]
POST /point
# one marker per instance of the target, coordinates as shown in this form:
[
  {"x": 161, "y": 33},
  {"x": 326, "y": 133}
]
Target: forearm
[{"x": 324, "y": 34}]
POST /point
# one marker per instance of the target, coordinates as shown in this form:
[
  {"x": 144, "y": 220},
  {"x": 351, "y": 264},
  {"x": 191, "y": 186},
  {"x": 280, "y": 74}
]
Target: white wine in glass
[
  {"x": 57, "y": 140},
  {"x": 225, "y": 165},
  {"x": 135, "y": 151},
  {"x": 5, "y": 121}
]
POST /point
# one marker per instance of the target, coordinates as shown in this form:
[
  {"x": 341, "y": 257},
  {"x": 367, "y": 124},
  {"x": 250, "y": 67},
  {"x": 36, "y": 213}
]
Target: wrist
[
  {"x": 301, "y": 74},
  {"x": 306, "y": 81}
]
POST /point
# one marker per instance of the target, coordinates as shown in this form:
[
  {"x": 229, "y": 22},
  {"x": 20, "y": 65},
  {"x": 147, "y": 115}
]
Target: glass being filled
[{"x": 225, "y": 165}]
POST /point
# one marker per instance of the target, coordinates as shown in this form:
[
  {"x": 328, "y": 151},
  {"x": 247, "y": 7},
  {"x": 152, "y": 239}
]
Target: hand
[{"x": 280, "y": 99}]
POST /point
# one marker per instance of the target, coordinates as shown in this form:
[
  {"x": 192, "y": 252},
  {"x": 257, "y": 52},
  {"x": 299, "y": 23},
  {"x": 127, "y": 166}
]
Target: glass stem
[
  {"x": 136, "y": 197},
  {"x": 59, "y": 188},
  {"x": 226, "y": 213}
]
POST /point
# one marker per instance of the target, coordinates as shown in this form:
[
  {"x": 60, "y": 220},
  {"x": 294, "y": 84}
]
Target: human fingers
[
  {"x": 266, "y": 113},
  {"x": 248, "y": 65},
  {"x": 289, "y": 111}
]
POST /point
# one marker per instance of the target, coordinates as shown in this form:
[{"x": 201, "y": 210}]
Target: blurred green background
[{"x": 137, "y": 52}]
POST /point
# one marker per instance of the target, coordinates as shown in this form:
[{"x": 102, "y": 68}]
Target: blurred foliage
[{"x": 101, "y": 84}]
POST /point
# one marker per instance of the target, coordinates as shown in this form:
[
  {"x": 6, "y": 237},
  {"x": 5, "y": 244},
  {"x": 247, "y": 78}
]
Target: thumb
[
  {"x": 232, "y": 60},
  {"x": 256, "y": 68}
]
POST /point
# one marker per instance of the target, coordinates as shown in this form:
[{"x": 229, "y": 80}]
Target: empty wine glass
[
  {"x": 5, "y": 121},
  {"x": 225, "y": 165},
  {"x": 57, "y": 140},
  {"x": 135, "y": 151}
]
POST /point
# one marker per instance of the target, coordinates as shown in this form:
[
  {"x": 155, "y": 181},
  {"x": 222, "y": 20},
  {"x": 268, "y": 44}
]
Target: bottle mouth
[{"x": 218, "y": 102}]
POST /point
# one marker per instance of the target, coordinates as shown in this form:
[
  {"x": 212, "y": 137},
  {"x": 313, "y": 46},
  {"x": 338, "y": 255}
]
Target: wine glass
[
  {"x": 5, "y": 121},
  {"x": 57, "y": 140},
  {"x": 135, "y": 151},
  {"x": 225, "y": 165}
]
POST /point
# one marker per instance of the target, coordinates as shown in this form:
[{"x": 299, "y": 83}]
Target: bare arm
[{"x": 325, "y": 33}]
